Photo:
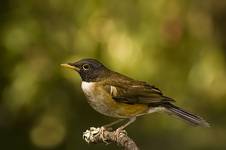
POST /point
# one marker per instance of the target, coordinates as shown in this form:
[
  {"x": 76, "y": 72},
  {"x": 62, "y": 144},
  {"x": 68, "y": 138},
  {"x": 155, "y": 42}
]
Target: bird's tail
[{"x": 184, "y": 115}]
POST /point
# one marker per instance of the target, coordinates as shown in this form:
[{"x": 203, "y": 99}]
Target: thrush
[{"x": 119, "y": 96}]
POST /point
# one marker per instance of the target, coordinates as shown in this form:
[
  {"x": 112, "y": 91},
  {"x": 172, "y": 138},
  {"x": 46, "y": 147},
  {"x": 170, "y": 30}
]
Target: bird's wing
[{"x": 132, "y": 91}]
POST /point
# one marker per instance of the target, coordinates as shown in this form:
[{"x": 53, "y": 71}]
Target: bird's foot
[
  {"x": 101, "y": 134},
  {"x": 119, "y": 132}
]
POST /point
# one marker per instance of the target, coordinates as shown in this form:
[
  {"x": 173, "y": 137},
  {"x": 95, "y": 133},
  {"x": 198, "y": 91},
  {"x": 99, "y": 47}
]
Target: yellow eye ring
[{"x": 86, "y": 66}]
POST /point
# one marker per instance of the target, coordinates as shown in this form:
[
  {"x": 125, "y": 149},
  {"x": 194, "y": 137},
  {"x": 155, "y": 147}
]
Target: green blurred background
[{"x": 179, "y": 46}]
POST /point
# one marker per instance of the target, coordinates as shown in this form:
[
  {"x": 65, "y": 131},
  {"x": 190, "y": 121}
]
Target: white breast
[
  {"x": 97, "y": 98},
  {"x": 87, "y": 87},
  {"x": 91, "y": 93}
]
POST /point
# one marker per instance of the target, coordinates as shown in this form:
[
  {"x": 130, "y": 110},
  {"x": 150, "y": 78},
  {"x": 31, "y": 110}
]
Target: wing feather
[{"x": 134, "y": 92}]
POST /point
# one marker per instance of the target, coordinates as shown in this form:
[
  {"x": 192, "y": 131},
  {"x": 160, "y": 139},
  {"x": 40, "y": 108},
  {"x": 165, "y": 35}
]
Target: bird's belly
[{"x": 101, "y": 101}]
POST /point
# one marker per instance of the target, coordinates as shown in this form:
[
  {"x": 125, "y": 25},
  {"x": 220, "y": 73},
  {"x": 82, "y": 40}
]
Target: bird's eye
[{"x": 86, "y": 66}]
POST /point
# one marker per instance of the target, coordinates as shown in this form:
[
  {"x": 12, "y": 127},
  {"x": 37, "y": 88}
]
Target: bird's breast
[
  {"x": 88, "y": 87},
  {"x": 102, "y": 102}
]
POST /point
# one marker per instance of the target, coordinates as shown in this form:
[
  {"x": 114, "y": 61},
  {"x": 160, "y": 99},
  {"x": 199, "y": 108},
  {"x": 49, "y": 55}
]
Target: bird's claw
[
  {"x": 101, "y": 134},
  {"x": 119, "y": 132}
]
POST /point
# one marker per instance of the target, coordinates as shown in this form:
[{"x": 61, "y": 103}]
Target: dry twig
[{"x": 101, "y": 135}]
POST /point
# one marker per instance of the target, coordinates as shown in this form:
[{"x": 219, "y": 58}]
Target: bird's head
[{"x": 89, "y": 69}]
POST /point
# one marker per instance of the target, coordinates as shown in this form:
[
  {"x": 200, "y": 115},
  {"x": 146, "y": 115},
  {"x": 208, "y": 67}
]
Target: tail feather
[{"x": 189, "y": 117}]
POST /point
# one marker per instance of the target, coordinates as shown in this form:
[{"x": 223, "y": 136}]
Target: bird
[{"x": 119, "y": 96}]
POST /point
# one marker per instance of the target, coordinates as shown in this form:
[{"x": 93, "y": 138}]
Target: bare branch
[{"x": 102, "y": 135}]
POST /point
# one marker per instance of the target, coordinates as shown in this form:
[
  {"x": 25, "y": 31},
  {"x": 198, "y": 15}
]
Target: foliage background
[{"x": 179, "y": 46}]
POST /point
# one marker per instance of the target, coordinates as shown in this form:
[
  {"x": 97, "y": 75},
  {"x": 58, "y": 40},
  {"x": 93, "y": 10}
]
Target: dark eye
[{"x": 86, "y": 67}]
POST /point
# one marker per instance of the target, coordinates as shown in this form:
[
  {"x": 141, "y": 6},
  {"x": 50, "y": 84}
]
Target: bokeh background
[{"x": 178, "y": 46}]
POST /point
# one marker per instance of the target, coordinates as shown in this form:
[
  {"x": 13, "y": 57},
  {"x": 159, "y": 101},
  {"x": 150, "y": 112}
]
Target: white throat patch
[{"x": 87, "y": 86}]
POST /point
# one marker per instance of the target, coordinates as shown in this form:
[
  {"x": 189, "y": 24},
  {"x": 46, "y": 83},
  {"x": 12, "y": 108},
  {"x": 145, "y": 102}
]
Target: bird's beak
[{"x": 70, "y": 67}]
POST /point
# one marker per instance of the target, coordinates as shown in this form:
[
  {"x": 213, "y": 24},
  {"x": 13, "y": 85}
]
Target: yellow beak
[{"x": 70, "y": 67}]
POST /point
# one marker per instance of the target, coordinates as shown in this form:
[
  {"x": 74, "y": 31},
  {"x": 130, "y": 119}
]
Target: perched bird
[{"x": 116, "y": 95}]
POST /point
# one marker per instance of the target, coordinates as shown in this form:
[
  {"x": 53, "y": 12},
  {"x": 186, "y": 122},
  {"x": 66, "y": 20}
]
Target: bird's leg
[
  {"x": 107, "y": 126},
  {"x": 131, "y": 120},
  {"x": 120, "y": 129}
]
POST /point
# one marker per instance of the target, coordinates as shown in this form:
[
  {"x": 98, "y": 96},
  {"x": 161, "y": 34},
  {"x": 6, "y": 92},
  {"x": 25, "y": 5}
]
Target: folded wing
[{"x": 131, "y": 92}]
